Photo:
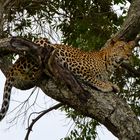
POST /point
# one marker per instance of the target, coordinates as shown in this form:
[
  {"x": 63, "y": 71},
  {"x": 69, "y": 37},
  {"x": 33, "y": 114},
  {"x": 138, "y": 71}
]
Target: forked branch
[{"x": 29, "y": 129}]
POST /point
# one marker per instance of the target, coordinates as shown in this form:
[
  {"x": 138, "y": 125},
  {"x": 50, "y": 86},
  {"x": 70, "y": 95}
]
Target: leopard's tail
[{"x": 6, "y": 97}]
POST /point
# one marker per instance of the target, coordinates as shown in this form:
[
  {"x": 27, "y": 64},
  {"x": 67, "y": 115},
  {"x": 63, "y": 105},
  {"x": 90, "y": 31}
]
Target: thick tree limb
[
  {"x": 107, "y": 108},
  {"x": 131, "y": 25},
  {"x": 12, "y": 45}
]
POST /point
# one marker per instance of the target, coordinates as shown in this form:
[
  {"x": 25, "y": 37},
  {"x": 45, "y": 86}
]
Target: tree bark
[{"x": 131, "y": 26}]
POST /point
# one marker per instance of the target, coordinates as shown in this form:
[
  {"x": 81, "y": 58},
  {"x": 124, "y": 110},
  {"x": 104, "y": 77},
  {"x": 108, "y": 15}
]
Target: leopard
[
  {"x": 92, "y": 67},
  {"x": 24, "y": 74},
  {"x": 95, "y": 67}
]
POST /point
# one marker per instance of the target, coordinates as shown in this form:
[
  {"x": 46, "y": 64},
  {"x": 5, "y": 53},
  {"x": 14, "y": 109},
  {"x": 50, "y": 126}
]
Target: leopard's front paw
[{"x": 107, "y": 86}]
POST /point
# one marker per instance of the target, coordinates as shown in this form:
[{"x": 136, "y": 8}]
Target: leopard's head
[
  {"x": 122, "y": 51},
  {"x": 119, "y": 52}
]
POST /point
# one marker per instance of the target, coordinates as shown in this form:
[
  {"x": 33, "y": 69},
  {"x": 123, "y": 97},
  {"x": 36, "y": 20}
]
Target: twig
[
  {"x": 29, "y": 129},
  {"x": 21, "y": 106}
]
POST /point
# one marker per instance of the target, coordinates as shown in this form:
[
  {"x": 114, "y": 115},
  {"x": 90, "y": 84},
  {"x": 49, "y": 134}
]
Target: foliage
[
  {"x": 85, "y": 128},
  {"x": 83, "y": 23},
  {"x": 129, "y": 83}
]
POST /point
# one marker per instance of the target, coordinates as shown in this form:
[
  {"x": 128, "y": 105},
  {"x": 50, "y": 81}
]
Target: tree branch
[
  {"x": 29, "y": 129},
  {"x": 107, "y": 108},
  {"x": 131, "y": 26}
]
